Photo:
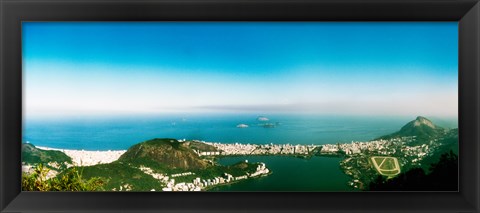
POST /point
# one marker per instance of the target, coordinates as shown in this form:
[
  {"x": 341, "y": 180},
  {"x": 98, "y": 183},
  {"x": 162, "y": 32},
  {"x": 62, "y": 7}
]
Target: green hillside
[
  {"x": 32, "y": 155},
  {"x": 118, "y": 174},
  {"x": 449, "y": 142},
  {"x": 164, "y": 153},
  {"x": 163, "y": 156}
]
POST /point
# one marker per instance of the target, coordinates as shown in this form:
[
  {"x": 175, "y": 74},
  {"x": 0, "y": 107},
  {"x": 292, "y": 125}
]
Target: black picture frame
[{"x": 13, "y": 12}]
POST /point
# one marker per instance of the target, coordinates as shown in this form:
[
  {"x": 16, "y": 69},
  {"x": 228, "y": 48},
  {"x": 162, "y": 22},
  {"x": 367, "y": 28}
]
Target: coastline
[
  {"x": 94, "y": 157},
  {"x": 208, "y": 188},
  {"x": 88, "y": 158}
]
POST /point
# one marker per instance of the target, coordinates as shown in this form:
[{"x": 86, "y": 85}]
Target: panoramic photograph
[{"x": 240, "y": 106}]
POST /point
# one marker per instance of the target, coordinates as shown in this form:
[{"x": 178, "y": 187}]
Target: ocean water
[{"x": 119, "y": 133}]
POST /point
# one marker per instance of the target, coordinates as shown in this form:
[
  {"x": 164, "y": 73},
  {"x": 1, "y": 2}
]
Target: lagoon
[{"x": 291, "y": 174}]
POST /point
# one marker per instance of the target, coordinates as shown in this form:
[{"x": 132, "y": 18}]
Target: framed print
[
  {"x": 239, "y": 106},
  {"x": 193, "y": 106}
]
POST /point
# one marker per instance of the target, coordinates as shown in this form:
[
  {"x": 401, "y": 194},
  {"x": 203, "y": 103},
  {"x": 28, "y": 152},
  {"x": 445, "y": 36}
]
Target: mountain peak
[
  {"x": 423, "y": 121},
  {"x": 421, "y": 127},
  {"x": 421, "y": 118}
]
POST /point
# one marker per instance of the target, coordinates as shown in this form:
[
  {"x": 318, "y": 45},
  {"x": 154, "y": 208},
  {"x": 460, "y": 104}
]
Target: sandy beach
[{"x": 89, "y": 158}]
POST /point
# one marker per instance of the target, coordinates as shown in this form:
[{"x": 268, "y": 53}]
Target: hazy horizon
[{"x": 105, "y": 68}]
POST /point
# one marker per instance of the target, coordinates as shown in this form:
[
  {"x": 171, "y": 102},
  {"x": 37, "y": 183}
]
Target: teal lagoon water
[
  {"x": 291, "y": 174},
  {"x": 119, "y": 133}
]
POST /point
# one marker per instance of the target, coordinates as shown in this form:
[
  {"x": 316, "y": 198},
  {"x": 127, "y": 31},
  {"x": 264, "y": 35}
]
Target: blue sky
[{"x": 263, "y": 67}]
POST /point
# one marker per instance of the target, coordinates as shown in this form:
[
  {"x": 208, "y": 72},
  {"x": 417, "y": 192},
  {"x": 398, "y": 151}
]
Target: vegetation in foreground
[{"x": 71, "y": 180}]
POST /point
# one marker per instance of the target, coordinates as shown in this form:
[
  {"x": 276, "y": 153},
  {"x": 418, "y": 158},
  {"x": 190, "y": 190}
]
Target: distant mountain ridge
[{"x": 421, "y": 127}]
